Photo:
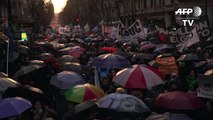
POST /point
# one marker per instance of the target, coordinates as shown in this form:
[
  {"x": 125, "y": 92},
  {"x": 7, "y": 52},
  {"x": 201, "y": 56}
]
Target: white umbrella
[
  {"x": 26, "y": 69},
  {"x": 123, "y": 103},
  {"x": 6, "y": 82},
  {"x": 66, "y": 80}
]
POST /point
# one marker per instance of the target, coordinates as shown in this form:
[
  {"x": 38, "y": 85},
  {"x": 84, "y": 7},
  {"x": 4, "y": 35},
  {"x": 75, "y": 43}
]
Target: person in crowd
[
  {"x": 106, "y": 85},
  {"x": 192, "y": 81}
]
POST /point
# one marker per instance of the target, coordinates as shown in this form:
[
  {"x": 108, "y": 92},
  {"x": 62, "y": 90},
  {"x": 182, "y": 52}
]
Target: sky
[{"x": 59, "y": 5}]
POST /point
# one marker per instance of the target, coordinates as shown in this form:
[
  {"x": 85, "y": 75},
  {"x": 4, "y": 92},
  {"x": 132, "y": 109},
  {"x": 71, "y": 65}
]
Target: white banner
[
  {"x": 135, "y": 30},
  {"x": 205, "y": 93},
  {"x": 63, "y": 30}
]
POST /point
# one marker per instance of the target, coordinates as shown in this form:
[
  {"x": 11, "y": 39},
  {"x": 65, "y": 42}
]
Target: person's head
[
  {"x": 173, "y": 86},
  {"x": 173, "y": 76},
  {"x": 105, "y": 81},
  {"x": 192, "y": 73},
  {"x": 120, "y": 90}
]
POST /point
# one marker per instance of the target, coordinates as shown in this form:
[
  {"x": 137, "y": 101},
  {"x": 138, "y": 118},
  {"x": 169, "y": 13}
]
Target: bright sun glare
[{"x": 59, "y": 5}]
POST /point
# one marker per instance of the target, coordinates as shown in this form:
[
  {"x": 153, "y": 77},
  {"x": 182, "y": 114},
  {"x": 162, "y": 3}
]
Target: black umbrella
[
  {"x": 30, "y": 93},
  {"x": 190, "y": 57}
]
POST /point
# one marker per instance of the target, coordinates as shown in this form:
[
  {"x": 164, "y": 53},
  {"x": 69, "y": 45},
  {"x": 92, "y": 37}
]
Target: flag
[
  {"x": 12, "y": 45},
  {"x": 191, "y": 41},
  {"x": 102, "y": 22},
  {"x": 96, "y": 80},
  {"x": 86, "y": 27}
]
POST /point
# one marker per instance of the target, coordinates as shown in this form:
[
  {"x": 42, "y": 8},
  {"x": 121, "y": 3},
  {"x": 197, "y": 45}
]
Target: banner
[
  {"x": 63, "y": 30},
  {"x": 182, "y": 33},
  {"x": 193, "y": 39},
  {"x": 167, "y": 65},
  {"x": 135, "y": 30},
  {"x": 205, "y": 89}
]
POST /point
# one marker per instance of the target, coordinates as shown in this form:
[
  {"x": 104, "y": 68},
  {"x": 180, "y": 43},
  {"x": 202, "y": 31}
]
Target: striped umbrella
[
  {"x": 110, "y": 61},
  {"x": 140, "y": 76},
  {"x": 81, "y": 93}
]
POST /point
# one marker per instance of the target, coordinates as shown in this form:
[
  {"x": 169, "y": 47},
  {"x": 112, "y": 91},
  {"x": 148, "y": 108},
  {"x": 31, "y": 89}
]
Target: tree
[{"x": 42, "y": 13}]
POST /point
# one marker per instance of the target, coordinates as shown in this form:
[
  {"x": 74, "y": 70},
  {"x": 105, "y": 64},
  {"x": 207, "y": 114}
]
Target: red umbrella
[
  {"x": 140, "y": 76},
  {"x": 109, "y": 49},
  {"x": 178, "y": 100}
]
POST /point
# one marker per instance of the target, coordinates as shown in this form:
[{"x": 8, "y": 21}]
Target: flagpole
[{"x": 8, "y": 52}]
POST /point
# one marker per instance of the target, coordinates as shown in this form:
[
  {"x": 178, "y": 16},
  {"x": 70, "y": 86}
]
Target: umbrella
[
  {"x": 23, "y": 49},
  {"x": 46, "y": 56},
  {"x": 27, "y": 70},
  {"x": 168, "y": 116},
  {"x": 71, "y": 66},
  {"x": 141, "y": 57},
  {"x": 110, "y": 61},
  {"x": 13, "y": 106},
  {"x": 36, "y": 62},
  {"x": 66, "y": 80},
  {"x": 109, "y": 49},
  {"x": 67, "y": 58},
  {"x": 122, "y": 103},
  {"x": 190, "y": 57},
  {"x": 3, "y": 74},
  {"x": 163, "y": 47},
  {"x": 209, "y": 72},
  {"x": 30, "y": 93},
  {"x": 6, "y": 82},
  {"x": 178, "y": 100},
  {"x": 81, "y": 93},
  {"x": 147, "y": 46},
  {"x": 140, "y": 76},
  {"x": 85, "y": 105},
  {"x": 76, "y": 51}
]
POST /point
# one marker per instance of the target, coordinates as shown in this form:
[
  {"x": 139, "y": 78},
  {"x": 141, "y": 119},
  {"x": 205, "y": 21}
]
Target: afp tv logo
[{"x": 193, "y": 14}]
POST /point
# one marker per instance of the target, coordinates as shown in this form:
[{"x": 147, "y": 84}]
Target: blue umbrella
[
  {"x": 13, "y": 106},
  {"x": 110, "y": 61}
]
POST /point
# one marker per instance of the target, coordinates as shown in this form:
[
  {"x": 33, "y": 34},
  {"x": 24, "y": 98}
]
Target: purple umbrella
[
  {"x": 110, "y": 61},
  {"x": 13, "y": 106}
]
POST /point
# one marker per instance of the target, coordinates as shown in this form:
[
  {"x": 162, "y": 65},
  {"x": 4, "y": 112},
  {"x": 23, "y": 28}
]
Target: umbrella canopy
[
  {"x": 76, "y": 51},
  {"x": 30, "y": 93},
  {"x": 163, "y": 47},
  {"x": 168, "y": 116},
  {"x": 66, "y": 80},
  {"x": 67, "y": 58},
  {"x": 45, "y": 56},
  {"x": 23, "y": 49},
  {"x": 189, "y": 57},
  {"x": 147, "y": 46},
  {"x": 6, "y": 82},
  {"x": 3, "y": 74},
  {"x": 178, "y": 100},
  {"x": 71, "y": 66},
  {"x": 109, "y": 49},
  {"x": 122, "y": 103},
  {"x": 85, "y": 105},
  {"x": 37, "y": 62},
  {"x": 140, "y": 76},
  {"x": 83, "y": 93},
  {"x": 110, "y": 61},
  {"x": 142, "y": 57},
  {"x": 13, "y": 106},
  {"x": 26, "y": 70}
]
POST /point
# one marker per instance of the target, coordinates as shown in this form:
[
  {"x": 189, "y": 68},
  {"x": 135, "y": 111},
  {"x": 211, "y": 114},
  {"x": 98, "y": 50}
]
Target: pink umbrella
[
  {"x": 76, "y": 51},
  {"x": 140, "y": 76}
]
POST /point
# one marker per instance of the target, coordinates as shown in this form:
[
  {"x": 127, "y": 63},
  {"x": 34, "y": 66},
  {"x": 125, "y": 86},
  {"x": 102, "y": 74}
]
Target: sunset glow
[{"x": 59, "y": 5}]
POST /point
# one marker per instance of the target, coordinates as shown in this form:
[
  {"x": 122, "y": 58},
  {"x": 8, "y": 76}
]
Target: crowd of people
[{"x": 56, "y": 107}]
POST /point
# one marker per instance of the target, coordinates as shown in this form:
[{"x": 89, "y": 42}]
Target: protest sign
[{"x": 205, "y": 89}]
